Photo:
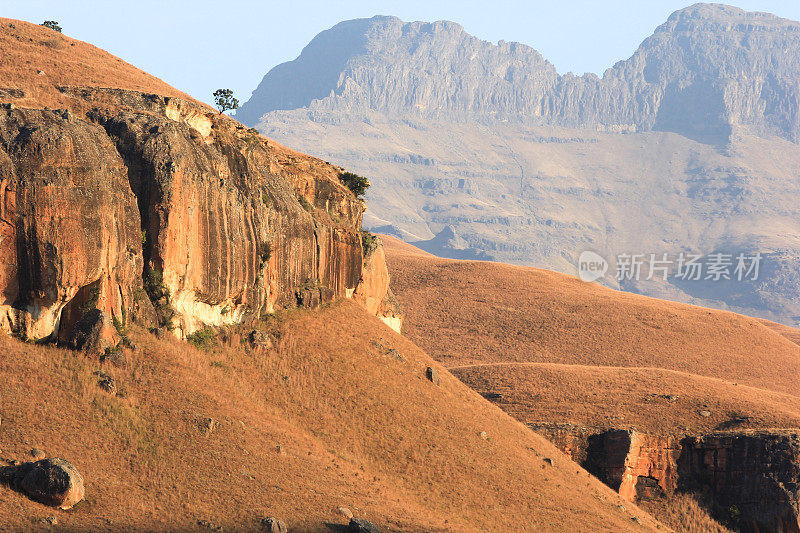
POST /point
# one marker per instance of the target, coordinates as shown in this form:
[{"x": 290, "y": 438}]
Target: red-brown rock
[
  {"x": 634, "y": 464},
  {"x": 373, "y": 291},
  {"x": 155, "y": 194}
]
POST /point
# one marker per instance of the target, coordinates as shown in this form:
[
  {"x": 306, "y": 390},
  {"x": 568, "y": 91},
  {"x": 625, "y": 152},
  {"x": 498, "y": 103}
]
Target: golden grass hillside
[
  {"x": 549, "y": 348},
  {"x": 339, "y": 413},
  {"x": 37, "y": 60}
]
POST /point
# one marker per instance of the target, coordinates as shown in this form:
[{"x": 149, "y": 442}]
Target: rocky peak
[
  {"x": 707, "y": 71},
  {"x": 386, "y": 64}
]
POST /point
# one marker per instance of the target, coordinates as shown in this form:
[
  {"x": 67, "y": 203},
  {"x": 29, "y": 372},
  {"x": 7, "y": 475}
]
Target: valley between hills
[{"x": 197, "y": 335}]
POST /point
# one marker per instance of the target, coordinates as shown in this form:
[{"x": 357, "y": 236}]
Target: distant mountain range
[{"x": 477, "y": 150}]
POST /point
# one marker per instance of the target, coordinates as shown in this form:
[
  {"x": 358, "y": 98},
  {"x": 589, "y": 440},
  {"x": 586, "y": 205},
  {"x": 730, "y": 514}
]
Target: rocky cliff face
[
  {"x": 70, "y": 224},
  {"x": 755, "y": 477},
  {"x": 708, "y": 69},
  {"x": 751, "y": 479},
  {"x": 635, "y": 464},
  {"x": 156, "y": 208}
]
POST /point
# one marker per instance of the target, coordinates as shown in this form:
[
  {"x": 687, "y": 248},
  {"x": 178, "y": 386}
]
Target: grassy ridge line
[{"x": 467, "y": 312}]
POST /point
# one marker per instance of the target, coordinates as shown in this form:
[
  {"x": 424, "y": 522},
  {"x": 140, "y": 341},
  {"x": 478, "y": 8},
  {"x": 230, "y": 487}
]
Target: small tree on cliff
[
  {"x": 52, "y": 24},
  {"x": 224, "y": 100},
  {"x": 354, "y": 182}
]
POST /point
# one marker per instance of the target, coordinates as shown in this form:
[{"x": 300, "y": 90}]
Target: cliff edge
[{"x": 153, "y": 207}]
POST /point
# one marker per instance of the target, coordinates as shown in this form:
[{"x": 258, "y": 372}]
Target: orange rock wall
[
  {"x": 629, "y": 461},
  {"x": 373, "y": 291},
  {"x": 231, "y": 224},
  {"x": 68, "y": 220}
]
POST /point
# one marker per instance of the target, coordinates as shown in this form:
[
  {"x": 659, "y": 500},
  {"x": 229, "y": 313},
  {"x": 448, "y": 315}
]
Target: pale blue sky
[{"x": 203, "y": 45}]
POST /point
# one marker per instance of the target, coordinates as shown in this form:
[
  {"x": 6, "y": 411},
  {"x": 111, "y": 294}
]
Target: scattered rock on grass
[
  {"x": 49, "y": 520},
  {"x": 116, "y": 356},
  {"x": 359, "y": 525},
  {"x": 208, "y": 425},
  {"x": 271, "y": 524},
  {"x": 211, "y": 526},
  {"x": 259, "y": 339},
  {"x": 53, "y": 482},
  {"x": 432, "y": 375},
  {"x": 38, "y": 454},
  {"x": 106, "y": 382},
  {"x": 395, "y": 354}
]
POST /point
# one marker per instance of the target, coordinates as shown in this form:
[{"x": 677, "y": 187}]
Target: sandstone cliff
[
  {"x": 159, "y": 209},
  {"x": 751, "y": 479}
]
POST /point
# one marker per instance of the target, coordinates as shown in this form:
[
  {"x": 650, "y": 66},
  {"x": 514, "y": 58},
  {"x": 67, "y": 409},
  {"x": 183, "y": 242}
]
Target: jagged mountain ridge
[
  {"x": 707, "y": 70},
  {"x": 685, "y": 147}
]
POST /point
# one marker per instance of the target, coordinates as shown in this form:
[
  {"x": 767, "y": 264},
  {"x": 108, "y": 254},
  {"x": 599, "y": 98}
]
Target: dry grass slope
[
  {"x": 560, "y": 350},
  {"x": 683, "y": 512},
  {"x": 36, "y": 60},
  {"x": 356, "y": 426}
]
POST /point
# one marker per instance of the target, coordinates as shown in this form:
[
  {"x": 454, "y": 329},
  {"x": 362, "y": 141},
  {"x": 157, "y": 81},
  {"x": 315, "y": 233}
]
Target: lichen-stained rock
[{"x": 69, "y": 225}]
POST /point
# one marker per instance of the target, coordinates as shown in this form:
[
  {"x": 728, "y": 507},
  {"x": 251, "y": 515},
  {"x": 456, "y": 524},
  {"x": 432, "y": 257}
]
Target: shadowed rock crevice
[{"x": 750, "y": 479}]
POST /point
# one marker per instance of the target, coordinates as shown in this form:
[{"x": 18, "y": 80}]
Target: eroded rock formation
[
  {"x": 634, "y": 464},
  {"x": 373, "y": 291},
  {"x": 754, "y": 477},
  {"x": 154, "y": 198},
  {"x": 751, "y": 479},
  {"x": 70, "y": 233}
]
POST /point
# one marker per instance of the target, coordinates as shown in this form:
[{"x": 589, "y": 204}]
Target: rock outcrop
[
  {"x": 373, "y": 291},
  {"x": 53, "y": 482},
  {"x": 155, "y": 198},
  {"x": 751, "y": 479},
  {"x": 70, "y": 235},
  {"x": 634, "y": 464}
]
